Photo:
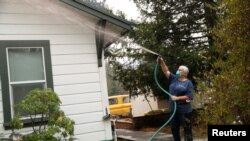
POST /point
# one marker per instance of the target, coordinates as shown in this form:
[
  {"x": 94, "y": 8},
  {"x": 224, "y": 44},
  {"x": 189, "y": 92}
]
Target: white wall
[
  {"x": 1, "y": 108},
  {"x": 80, "y": 84},
  {"x": 140, "y": 106}
]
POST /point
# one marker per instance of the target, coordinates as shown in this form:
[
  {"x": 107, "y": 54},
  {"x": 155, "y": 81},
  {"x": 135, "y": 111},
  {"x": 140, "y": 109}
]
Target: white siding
[
  {"x": 80, "y": 98},
  {"x": 88, "y": 128},
  {"x": 1, "y": 110},
  {"x": 1, "y": 120},
  {"x": 75, "y": 69},
  {"x": 95, "y": 136},
  {"x": 73, "y": 49},
  {"x": 55, "y": 39},
  {"x": 74, "y": 59},
  {"x": 34, "y": 19},
  {"x": 77, "y": 88},
  {"x": 42, "y": 29},
  {"x": 77, "y": 79},
  {"x": 87, "y": 117},
  {"x": 15, "y": 7},
  {"x": 1, "y": 106}
]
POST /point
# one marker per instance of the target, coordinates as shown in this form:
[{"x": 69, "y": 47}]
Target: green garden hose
[{"x": 167, "y": 93}]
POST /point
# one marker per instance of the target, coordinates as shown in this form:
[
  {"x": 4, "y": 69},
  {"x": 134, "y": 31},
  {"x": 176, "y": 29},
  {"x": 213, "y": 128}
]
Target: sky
[{"x": 126, "y": 6}]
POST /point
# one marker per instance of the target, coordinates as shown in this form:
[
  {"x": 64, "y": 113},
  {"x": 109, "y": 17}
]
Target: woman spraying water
[
  {"x": 181, "y": 90},
  {"x": 181, "y": 94}
]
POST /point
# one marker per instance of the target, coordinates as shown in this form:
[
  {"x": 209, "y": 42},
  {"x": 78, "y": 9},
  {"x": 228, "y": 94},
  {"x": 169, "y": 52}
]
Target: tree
[
  {"x": 176, "y": 29},
  {"x": 228, "y": 92},
  {"x": 100, "y": 3},
  {"x": 114, "y": 87}
]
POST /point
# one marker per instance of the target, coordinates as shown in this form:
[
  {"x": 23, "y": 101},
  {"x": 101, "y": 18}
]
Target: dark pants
[{"x": 184, "y": 120}]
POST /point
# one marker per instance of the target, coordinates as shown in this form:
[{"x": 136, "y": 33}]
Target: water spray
[{"x": 143, "y": 48}]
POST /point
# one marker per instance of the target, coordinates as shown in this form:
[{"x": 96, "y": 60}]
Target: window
[
  {"x": 125, "y": 100},
  {"x": 26, "y": 72},
  {"x": 24, "y": 65},
  {"x": 113, "y": 101}
]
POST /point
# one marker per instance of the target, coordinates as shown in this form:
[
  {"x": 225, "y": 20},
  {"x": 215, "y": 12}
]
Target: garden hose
[{"x": 167, "y": 93}]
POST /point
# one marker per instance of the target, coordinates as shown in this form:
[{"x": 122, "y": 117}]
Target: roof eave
[{"x": 100, "y": 14}]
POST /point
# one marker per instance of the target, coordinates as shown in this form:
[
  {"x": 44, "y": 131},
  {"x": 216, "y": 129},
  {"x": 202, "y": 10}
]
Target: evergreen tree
[
  {"x": 100, "y": 3},
  {"x": 229, "y": 97}
]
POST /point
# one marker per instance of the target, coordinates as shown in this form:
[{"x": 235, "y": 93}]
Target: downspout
[{"x": 99, "y": 36}]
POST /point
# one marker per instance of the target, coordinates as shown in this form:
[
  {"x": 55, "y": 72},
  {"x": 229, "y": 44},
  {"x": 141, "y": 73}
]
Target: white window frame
[{"x": 23, "y": 82}]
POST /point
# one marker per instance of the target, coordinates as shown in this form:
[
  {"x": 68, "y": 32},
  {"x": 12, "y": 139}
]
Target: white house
[{"x": 58, "y": 44}]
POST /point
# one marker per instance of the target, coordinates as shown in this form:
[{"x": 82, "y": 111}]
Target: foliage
[
  {"x": 157, "y": 112},
  {"x": 101, "y": 5},
  {"x": 97, "y": 3},
  {"x": 227, "y": 91},
  {"x": 45, "y": 105},
  {"x": 114, "y": 87},
  {"x": 175, "y": 29},
  {"x": 16, "y": 123}
]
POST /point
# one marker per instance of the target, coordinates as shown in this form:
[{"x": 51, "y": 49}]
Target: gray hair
[{"x": 184, "y": 68}]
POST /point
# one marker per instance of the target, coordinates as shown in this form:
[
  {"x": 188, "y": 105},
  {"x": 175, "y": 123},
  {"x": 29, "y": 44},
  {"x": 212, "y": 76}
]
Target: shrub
[{"x": 44, "y": 105}]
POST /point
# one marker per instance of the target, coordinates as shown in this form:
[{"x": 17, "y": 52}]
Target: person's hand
[
  {"x": 159, "y": 59},
  {"x": 174, "y": 98}
]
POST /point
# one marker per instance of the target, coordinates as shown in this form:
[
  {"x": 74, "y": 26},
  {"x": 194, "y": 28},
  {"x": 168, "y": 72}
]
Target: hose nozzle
[{"x": 159, "y": 58}]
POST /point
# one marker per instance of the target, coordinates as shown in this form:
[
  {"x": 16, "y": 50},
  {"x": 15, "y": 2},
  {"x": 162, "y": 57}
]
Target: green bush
[{"x": 45, "y": 106}]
